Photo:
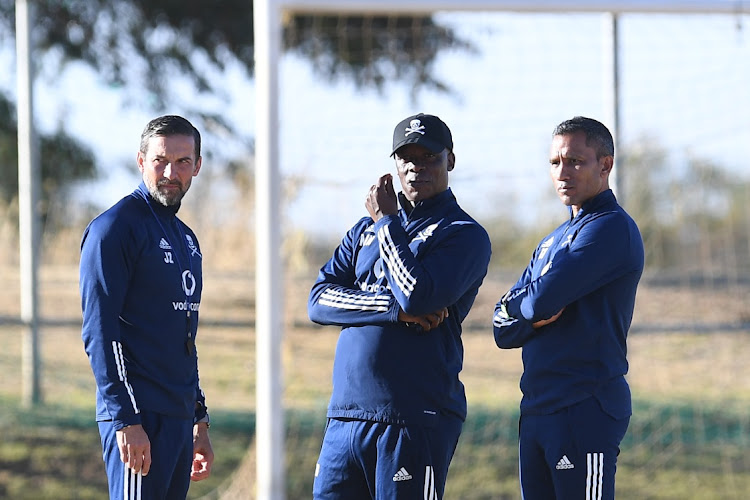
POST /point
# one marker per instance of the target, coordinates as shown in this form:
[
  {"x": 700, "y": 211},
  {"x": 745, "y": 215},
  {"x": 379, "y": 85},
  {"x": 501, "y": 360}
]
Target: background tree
[
  {"x": 693, "y": 216},
  {"x": 647, "y": 181},
  {"x": 142, "y": 45},
  {"x": 62, "y": 160},
  {"x": 703, "y": 202}
]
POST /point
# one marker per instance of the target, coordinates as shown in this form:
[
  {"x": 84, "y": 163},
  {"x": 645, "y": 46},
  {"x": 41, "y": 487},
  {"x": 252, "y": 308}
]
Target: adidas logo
[
  {"x": 564, "y": 463},
  {"x": 164, "y": 245},
  {"x": 401, "y": 475}
]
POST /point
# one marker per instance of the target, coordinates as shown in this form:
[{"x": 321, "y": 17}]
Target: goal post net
[{"x": 502, "y": 78}]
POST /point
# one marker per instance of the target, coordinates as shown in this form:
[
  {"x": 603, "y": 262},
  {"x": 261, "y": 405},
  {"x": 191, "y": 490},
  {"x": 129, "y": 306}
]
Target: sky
[{"x": 683, "y": 82}]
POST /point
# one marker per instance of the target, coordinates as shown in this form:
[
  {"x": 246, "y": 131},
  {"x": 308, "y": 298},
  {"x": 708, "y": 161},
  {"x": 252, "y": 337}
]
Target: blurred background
[{"x": 501, "y": 81}]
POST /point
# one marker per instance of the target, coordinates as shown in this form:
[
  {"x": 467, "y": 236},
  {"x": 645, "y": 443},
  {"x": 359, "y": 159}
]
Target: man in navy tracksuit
[
  {"x": 570, "y": 312},
  {"x": 140, "y": 283},
  {"x": 399, "y": 284}
]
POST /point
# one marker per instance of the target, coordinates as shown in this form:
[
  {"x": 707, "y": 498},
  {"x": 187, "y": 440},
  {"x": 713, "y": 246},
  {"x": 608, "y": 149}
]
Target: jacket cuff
[
  {"x": 119, "y": 424},
  {"x": 205, "y": 420},
  {"x": 201, "y": 413}
]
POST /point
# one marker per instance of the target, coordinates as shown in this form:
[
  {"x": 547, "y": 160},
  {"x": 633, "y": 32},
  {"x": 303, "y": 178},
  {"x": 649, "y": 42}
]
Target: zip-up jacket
[
  {"x": 140, "y": 275},
  {"x": 431, "y": 256},
  {"x": 590, "y": 266}
]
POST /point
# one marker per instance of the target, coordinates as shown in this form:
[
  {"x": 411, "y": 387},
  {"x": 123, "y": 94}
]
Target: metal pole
[
  {"x": 593, "y": 6},
  {"x": 269, "y": 431},
  {"x": 612, "y": 98},
  {"x": 28, "y": 217}
]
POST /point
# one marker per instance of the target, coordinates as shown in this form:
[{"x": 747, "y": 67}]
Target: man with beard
[{"x": 140, "y": 284}]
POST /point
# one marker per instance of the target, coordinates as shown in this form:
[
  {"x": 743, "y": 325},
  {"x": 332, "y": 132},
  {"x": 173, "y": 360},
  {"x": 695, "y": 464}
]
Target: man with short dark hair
[
  {"x": 141, "y": 282},
  {"x": 570, "y": 311},
  {"x": 399, "y": 284}
]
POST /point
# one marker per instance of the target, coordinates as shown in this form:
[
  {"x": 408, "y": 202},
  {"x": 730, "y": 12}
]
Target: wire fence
[{"x": 684, "y": 133}]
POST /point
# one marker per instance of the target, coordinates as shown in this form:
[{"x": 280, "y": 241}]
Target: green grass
[
  {"x": 689, "y": 438},
  {"x": 53, "y": 452},
  {"x": 671, "y": 452}
]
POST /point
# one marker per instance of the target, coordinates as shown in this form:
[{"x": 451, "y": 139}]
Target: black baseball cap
[{"x": 426, "y": 130}]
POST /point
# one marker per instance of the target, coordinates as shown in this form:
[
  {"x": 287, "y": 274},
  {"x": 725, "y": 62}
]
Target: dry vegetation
[
  {"x": 665, "y": 360},
  {"x": 688, "y": 344}
]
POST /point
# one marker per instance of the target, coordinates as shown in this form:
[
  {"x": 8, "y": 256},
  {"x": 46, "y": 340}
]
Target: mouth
[
  {"x": 169, "y": 186},
  {"x": 418, "y": 182}
]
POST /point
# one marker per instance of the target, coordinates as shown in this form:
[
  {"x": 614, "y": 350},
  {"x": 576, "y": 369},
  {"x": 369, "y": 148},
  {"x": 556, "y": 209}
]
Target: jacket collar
[
  {"x": 158, "y": 208},
  {"x": 428, "y": 204},
  {"x": 604, "y": 199}
]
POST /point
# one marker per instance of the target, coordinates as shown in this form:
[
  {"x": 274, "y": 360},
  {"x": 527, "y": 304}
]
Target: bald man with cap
[{"x": 399, "y": 286}]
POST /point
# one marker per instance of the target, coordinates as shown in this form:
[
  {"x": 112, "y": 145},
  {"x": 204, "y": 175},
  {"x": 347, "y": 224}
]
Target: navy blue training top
[
  {"x": 140, "y": 275},
  {"x": 421, "y": 260},
  {"x": 591, "y": 266}
]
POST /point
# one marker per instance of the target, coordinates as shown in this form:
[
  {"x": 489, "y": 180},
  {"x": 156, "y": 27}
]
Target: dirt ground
[
  {"x": 686, "y": 344},
  {"x": 685, "y": 341}
]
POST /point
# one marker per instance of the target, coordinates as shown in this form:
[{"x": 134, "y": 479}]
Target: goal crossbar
[{"x": 593, "y": 6}]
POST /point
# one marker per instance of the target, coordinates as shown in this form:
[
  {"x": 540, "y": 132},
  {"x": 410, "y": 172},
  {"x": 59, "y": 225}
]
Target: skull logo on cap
[{"x": 415, "y": 126}]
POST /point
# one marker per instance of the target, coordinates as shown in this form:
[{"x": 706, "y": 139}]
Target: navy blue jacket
[
  {"x": 591, "y": 266},
  {"x": 140, "y": 274},
  {"x": 419, "y": 261}
]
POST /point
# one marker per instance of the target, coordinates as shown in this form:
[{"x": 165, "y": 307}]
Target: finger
[
  {"x": 198, "y": 475},
  {"x": 123, "y": 448},
  {"x": 434, "y": 320},
  {"x": 131, "y": 463},
  {"x": 370, "y": 196},
  {"x": 390, "y": 191},
  {"x": 424, "y": 324},
  {"x": 200, "y": 468},
  {"x": 146, "y": 462},
  {"x": 136, "y": 461}
]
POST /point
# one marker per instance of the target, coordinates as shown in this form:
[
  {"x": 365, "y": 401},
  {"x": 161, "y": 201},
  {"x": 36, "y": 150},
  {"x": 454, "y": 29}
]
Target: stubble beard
[{"x": 163, "y": 198}]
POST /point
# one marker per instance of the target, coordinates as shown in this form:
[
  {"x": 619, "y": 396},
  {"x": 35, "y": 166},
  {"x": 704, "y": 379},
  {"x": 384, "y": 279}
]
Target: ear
[
  {"x": 198, "y": 164},
  {"x": 606, "y": 163},
  {"x": 451, "y": 161},
  {"x": 140, "y": 159}
]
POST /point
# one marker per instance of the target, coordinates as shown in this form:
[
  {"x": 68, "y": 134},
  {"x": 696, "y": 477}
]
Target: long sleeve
[
  {"x": 141, "y": 281},
  {"x": 510, "y": 332},
  {"x": 594, "y": 254},
  {"x": 588, "y": 268},
  {"x": 437, "y": 278},
  {"x": 104, "y": 275},
  {"x": 385, "y": 369},
  {"x": 336, "y": 298}
]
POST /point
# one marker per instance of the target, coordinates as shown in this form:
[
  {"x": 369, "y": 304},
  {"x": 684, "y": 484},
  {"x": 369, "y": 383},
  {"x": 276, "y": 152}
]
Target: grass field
[{"x": 689, "y": 376}]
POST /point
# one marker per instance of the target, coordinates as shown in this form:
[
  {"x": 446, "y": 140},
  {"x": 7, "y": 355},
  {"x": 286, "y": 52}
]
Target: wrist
[{"x": 205, "y": 420}]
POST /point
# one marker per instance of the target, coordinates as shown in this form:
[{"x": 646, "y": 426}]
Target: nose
[
  {"x": 561, "y": 171},
  {"x": 414, "y": 165},
  {"x": 169, "y": 171}
]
